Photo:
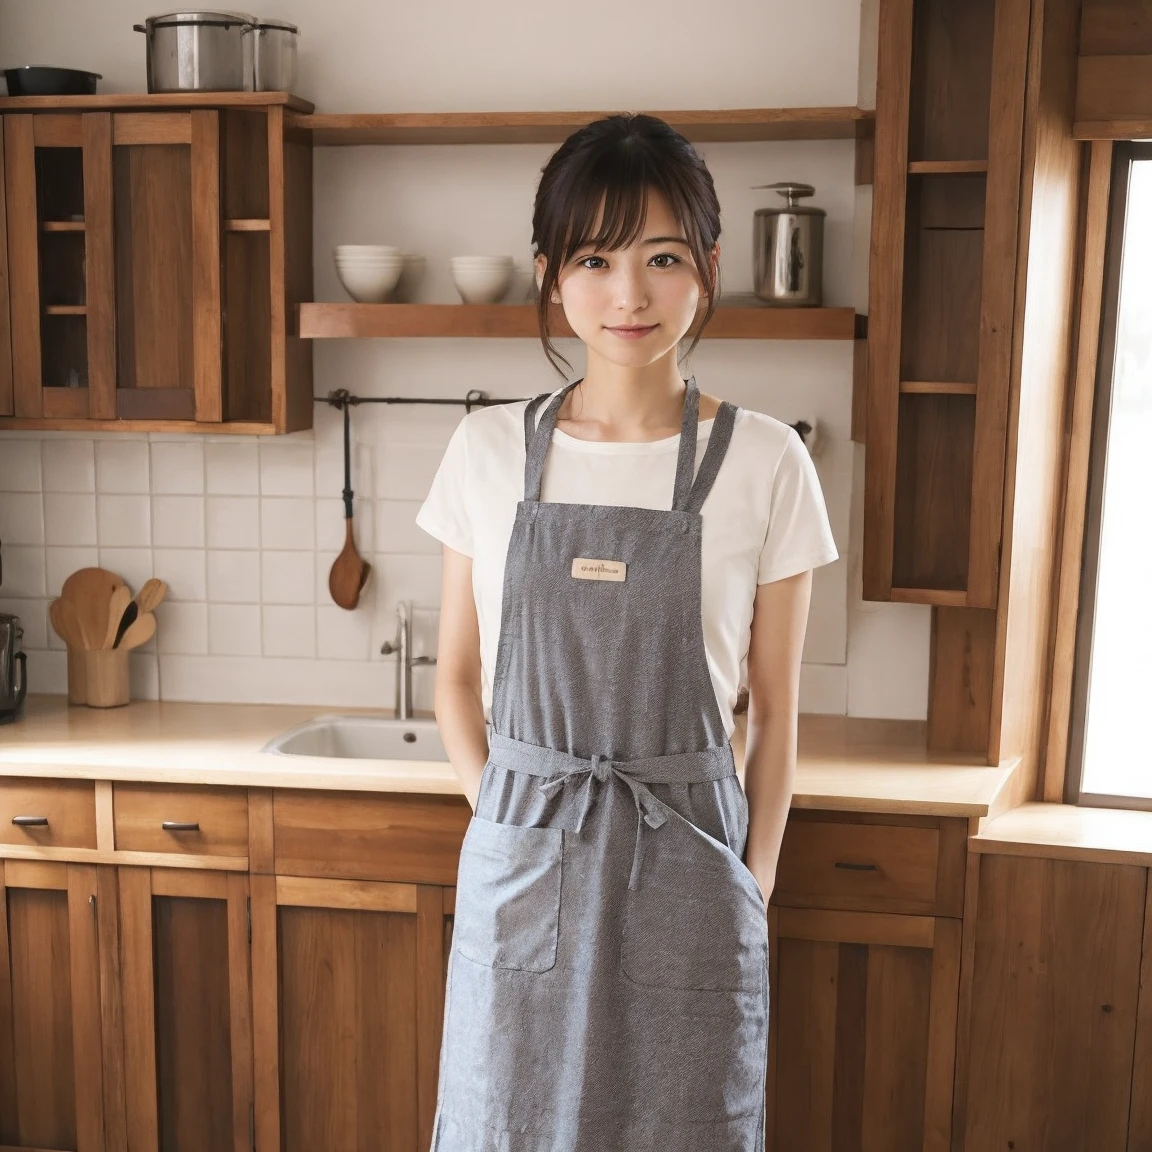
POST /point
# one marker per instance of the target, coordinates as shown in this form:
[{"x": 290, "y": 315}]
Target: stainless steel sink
[{"x": 361, "y": 738}]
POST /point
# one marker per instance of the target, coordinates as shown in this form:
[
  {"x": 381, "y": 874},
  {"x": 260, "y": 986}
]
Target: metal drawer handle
[
  {"x": 180, "y": 826},
  {"x": 30, "y": 821},
  {"x": 856, "y": 867}
]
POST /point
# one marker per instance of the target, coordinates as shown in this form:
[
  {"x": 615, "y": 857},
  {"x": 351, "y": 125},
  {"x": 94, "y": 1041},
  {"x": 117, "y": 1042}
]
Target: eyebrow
[{"x": 650, "y": 240}]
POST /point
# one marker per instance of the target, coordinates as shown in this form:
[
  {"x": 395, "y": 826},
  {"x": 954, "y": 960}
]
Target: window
[{"x": 1110, "y": 746}]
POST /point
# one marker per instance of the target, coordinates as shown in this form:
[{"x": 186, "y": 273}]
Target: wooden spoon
[
  {"x": 150, "y": 596},
  {"x": 349, "y": 571},
  {"x": 66, "y": 623},
  {"x": 90, "y": 591},
  {"x": 140, "y": 632},
  {"x": 117, "y": 605}
]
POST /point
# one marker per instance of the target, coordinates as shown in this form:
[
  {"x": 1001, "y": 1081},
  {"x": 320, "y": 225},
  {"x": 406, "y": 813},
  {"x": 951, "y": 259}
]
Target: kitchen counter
[
  {"x": 849, "y": 764},
  {"x": 1069, "y": 832}
]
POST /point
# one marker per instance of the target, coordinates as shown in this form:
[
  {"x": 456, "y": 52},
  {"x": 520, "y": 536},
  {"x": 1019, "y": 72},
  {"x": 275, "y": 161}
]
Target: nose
[{"x": 629, "y": 288}]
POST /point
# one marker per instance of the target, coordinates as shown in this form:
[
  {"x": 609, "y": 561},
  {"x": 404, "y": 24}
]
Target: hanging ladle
[{"x": 349, "y": 570}]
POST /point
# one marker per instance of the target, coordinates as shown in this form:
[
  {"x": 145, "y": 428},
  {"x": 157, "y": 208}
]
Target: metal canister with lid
[
  {"x": 788, "y": 249},
  {"x": 274, "y": 55}
]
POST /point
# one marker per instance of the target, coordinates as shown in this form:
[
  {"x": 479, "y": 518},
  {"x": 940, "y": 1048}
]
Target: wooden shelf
[
  {"x": 946, "y": 167},
  {"x": 65, "y": 309},
  {"x": 120, "y": 101},
  {"x": 725, "y": 125},
  {"x": 937, "y": 388},
  {"x": 514, "y": 321},
  {"x": 62, "y": 226},
  {"x": 247, "y": 225}
]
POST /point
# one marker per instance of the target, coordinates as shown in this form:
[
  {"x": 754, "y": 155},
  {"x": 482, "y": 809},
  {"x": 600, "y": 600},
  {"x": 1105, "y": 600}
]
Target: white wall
[{"x": 244, "y": 532}]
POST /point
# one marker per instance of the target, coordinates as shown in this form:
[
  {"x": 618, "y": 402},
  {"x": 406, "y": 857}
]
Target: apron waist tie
[{"x": 649, "y": 810}]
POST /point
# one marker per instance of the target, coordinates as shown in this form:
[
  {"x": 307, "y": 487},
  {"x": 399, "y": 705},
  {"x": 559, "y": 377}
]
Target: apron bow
[{"x": 649, "y": 810}]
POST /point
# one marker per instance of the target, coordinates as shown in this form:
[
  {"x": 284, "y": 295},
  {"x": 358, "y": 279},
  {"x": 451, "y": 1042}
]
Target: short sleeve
[
  {"x": 444, "y": 513},
  {"x": 799, "y": 535}
]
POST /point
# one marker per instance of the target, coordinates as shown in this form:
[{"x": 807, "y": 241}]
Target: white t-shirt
[{"x": 764, "y": 518}]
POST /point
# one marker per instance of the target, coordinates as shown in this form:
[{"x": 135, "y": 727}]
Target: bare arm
[
  {"x": 779, "y": 621},
  {"x": 458, "y": 701}
]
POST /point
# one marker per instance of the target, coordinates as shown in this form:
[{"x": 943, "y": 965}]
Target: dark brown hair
[{"x": 618, "y": 159}]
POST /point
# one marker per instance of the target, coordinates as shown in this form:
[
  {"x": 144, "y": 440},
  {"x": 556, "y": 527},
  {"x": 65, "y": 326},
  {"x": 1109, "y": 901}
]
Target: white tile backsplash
[
  {"x": 184, "y": 570},
  {"x": 24, "y": 571},
  {"x": 178, "y": 468},
  {"x": 287, "y": 523},
  {"x": 122, "y": 466},
  {"x": 289, "y": 630},
  {"x": 124, "y": 521},
  {"x": 22, "y": 518},
  {"x": 232, "y": 469},
  {"x": 69, "y": 519},
  {"x": 182, "y": 628},
  {"x": 20, "y": 466},
  {"x": 68, "y": 465},
  {"x": 234, "y": 577},
  {"x": 286, "y": 578},
  {"x": 178, "y": 521},
  {"x": 62, "y": 562},
  {"x": 285, "y": 469},
  {"x": 232, "y": 521},
  {"x": 234, "y": 629}
]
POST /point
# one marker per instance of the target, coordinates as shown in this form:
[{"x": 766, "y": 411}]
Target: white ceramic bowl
[
  {"x": 370, "y": 284},
  {"x": 411, "y": 275},
  {"x": 364, "y": 251},
  {"x": 482, "y": 285}
]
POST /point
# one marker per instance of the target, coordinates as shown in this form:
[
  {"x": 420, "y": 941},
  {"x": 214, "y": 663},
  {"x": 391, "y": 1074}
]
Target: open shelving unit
[
  {"x": 512, "y": 321},
  {"x": 728, "y": 125},
  {"x": 734, "y": 319}
]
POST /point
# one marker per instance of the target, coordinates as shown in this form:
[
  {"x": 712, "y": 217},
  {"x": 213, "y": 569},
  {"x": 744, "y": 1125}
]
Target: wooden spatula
[
  {"x": 117, "y": 604},
  {"x": 90, "y": 590},
  {"x": 140, "y": 632},
  {"x": 66, "y": 623},
  {"x": 151, "y": 594}
]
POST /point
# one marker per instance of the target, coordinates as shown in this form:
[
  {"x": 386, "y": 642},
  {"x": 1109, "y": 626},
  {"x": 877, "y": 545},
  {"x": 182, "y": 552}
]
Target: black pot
[{"x": 33, "y": 80}]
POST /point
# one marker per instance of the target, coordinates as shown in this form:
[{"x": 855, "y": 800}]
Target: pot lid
[
  {"x": 213, "y": 18},
  {"x": 275, "y": 22}
]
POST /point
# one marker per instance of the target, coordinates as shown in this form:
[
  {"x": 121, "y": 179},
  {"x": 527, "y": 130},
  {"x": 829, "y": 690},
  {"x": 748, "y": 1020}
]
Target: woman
[{"x": 614, "y": 553}]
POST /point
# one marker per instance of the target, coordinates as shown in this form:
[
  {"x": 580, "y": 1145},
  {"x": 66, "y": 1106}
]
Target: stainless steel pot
[
  {"x": 198, "y": 51},
  {"x": 788, "y": 249},
  {"x": 274, "y": 55}
]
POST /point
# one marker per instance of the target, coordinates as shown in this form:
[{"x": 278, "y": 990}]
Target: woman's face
[{"x": 633, "y": 305}]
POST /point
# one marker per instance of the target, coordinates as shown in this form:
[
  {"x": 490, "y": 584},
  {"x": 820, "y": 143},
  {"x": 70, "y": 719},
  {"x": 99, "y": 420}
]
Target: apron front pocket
[
  {"x": 697, "y": 919},
  {"x": 508, "y": 895}
]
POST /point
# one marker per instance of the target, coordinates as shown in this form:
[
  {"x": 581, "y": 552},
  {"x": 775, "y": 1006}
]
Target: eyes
[{"x": 668, "y": 256}]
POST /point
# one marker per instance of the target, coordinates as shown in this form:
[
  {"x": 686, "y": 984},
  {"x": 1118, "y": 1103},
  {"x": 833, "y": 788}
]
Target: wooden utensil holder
[{"x": 105, "y": 673}]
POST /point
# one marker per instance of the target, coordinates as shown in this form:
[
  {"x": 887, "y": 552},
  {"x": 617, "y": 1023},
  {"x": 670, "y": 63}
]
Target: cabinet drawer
[
  {"x": 48, "y": 813},
  {"x": 369, "y": 836},
  {"x": 914, "y": 867},
  {"x": 202, "y": 821}
]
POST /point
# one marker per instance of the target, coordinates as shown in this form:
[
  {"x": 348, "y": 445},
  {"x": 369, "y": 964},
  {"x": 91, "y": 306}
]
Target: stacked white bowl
[
  {"x": 369, "y": 272},
  {"x": 481, "y": 279}
]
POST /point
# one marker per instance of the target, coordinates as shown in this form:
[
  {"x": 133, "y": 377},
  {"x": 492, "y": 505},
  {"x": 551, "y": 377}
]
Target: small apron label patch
[{"x": 584, "y": 568}]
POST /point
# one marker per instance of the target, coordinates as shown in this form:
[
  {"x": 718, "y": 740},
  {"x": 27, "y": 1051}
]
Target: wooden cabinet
[
  {"x": 864, "y": 966},
  {"x": 57, "y": 946},
  {"x": 363, "y": 885},
  {"x": 154, "y": 253},
  {"x": 187, "y": 1020},
  {"x": 949, "y": 124},
  {"x": 1055, "y": 994}
]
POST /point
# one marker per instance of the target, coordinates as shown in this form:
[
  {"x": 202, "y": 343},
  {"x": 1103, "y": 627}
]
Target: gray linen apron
[{"x": 608, "y": 977}]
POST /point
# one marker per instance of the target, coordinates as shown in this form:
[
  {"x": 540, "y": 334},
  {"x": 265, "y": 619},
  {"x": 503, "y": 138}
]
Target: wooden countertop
[
  {"x": 1069, "y": 832},
  {"x": 844, "y": 763}
]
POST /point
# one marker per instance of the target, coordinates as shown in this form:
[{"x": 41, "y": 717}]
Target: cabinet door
[
  {"x": 187, "y": 1009},
  {"x": 1055, "y": 985},
  {"x": 57, "y": 184},
  {"x": 166, "y": 200},
  {"x": 52, "y": 1039},
  {"x": 348, "y": 1001},
  {"x": 862, "y": 1030}
]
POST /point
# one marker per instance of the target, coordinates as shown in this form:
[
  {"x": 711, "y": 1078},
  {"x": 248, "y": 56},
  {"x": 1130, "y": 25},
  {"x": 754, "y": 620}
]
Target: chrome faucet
[{"x": 405, "y": 661}]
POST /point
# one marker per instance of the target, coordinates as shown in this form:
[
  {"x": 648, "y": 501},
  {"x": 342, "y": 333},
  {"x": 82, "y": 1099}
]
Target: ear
[{"x": 541, "y": 262}]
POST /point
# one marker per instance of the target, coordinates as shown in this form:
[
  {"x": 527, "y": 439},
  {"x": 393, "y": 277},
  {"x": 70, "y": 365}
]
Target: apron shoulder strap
[
  {"x": 538, "y": 439},
  {"x": 718, "y": 443},
  {"x": 530, "y": 417}
]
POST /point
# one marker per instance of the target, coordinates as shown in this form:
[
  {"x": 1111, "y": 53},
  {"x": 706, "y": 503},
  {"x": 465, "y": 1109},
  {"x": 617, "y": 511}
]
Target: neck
[{"x": 620, "y": 401}]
